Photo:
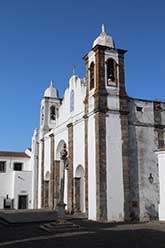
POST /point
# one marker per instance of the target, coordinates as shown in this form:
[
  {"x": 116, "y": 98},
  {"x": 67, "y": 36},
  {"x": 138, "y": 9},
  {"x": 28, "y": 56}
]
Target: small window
[
  {"x": 91, "y": 76},
  {"x": 111, "y": 71},
  {"x": 2, "y": 166},
  {"x": 17, "y": 166},
  {"x": 72, "y": 101},
  {"x": 42, "y": 114},
  {"x": 52, "y": 113},
  {"x": 139, "y": 109}
]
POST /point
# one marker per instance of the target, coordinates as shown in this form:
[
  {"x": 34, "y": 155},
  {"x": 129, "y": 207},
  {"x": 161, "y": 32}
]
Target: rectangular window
[
  {"x": 2, "y": 166},
  {"x": 139, "y": 109},
  {"x": 17, "y": 166}
]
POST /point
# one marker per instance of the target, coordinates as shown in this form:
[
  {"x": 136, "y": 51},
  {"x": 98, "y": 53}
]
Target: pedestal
[{"x": 61, "y": 210}]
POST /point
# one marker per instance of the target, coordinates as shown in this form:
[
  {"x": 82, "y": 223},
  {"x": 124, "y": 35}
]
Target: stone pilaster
[
  {"x": 100, "y": 109},
  {"x": 125, "y": 158},
  {"x": 42, "y": 172},
  {"x": 52, "y": 172},
  {"x": 122, "y": 90},
  {"x": 158, "y": 124},
  {"x": 70, "y": 168},
  {"x": 124, "y": 130},
  {"x": 86, "y": 139},
  {"x": 86, "y": 162}
]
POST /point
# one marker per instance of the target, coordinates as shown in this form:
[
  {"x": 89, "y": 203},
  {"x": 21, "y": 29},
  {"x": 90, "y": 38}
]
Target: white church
[{"x": 115, "y": 146}]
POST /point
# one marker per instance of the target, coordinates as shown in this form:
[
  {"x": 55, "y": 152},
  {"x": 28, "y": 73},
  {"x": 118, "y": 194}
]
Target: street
[{"x": 91, "y": 234}]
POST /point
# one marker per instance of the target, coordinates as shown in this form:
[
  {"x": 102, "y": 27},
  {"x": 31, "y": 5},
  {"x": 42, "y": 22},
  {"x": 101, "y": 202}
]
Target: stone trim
[
  {"x": 146, "y": 125},
  {"x": 125, "y": 158},
  {"x": 86, "y": 161},
  {"x": 100, "y": 109},
  {"x": 70, "y": 168},
  {"x": 122, "y": 90},
  {"x": 124, "y": 130},
  {"x": 86, "y": 137},
  {"x": 158, "y": 124}
]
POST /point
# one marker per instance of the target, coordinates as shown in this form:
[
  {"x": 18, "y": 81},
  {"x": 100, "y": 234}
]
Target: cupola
[
  {"x": 104, "y": 39},
  {"x": 51, "y": 91}
]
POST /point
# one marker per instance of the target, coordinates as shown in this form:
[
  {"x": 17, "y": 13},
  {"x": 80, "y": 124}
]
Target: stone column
[{"x": 70, "y": 169}]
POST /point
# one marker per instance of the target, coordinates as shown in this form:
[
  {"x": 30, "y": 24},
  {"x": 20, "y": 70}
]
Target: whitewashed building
[
  {"x": 15, "y": 180},
  {"x": 111, "y": 139}
]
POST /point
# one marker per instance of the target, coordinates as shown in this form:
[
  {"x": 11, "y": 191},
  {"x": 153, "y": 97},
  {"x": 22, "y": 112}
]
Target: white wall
[
  {"x": 9, "y": 180},
  {"x": 34, "y": 164},
  {"x": 115, "y": 190},
  {"x": 6, "y": 188},
  {"x": 161, "y": 162},
  {"x": 91, "y": 169},
  {"x": 22, "y": 186},
  {"x": 79, "y": 156}
]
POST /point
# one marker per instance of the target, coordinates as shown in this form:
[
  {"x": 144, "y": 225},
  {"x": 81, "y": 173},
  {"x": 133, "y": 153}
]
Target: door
[
  {"x": 77, "y": 194},
  {"x": 22, "y": 202}
]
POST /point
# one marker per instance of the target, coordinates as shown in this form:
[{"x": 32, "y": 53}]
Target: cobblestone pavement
[{"x": 92, "y": 234}]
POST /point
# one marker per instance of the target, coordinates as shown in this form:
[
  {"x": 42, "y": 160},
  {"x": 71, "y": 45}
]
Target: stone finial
[
  {"x": 103, "y": 28},
  {"x": 52, "y": 83},
  {"x": 74, "y": 70}
]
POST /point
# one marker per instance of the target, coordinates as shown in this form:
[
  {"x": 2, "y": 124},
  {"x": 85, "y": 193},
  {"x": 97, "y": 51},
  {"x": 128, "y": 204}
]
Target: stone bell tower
[
  {"x": 49, "y": 109},
  {"x": 107, "y": 114}
]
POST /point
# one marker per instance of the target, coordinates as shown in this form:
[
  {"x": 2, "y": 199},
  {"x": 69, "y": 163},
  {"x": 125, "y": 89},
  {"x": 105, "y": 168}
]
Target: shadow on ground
[{"x": 115, "y": 235}]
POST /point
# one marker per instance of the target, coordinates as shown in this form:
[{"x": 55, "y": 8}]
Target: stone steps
[
  {"x": 3, "y": 222},
  {"x": 60, "y": 227}
]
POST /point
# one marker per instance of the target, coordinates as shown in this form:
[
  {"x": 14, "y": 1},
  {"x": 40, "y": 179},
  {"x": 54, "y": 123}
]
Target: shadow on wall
[
  {"x": 133, "y": 164},
  {"x": 151, "y": 210}
]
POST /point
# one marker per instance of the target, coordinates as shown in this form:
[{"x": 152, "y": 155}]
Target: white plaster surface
[
  {"x": 161, "y": 161},
  {"x": 91, "y": 169},
  {"x": 10, "y": 181},
  {"x": 115, "y": 191}
]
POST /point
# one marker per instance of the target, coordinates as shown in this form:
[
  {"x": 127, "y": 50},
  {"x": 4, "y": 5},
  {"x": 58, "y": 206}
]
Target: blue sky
[{"x": 42, "y": 40}]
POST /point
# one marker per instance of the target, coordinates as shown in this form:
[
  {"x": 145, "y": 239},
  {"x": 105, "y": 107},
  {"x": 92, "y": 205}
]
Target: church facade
[{"x": 111, "y": 139}]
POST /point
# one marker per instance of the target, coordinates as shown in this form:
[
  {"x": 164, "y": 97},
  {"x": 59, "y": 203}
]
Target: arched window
[
  {"x": 52, "y": 113},
  {"x": 91, "y": 75},
  {"x": 111, "y": 71},
  {"x": 72, "y": 101}
]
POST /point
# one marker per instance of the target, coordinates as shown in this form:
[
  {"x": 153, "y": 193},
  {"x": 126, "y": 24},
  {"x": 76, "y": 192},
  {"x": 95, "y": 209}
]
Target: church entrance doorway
[
  {"x": 79, "y": 190},
  {"x": 22, "y": 202}
]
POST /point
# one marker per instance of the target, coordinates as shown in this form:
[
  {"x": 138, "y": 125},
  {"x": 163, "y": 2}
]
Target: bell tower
[
  {"x": 108, "y": 116},
  {"x": 49, "y": 109},
  {"x": 105, "y": 65}
]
